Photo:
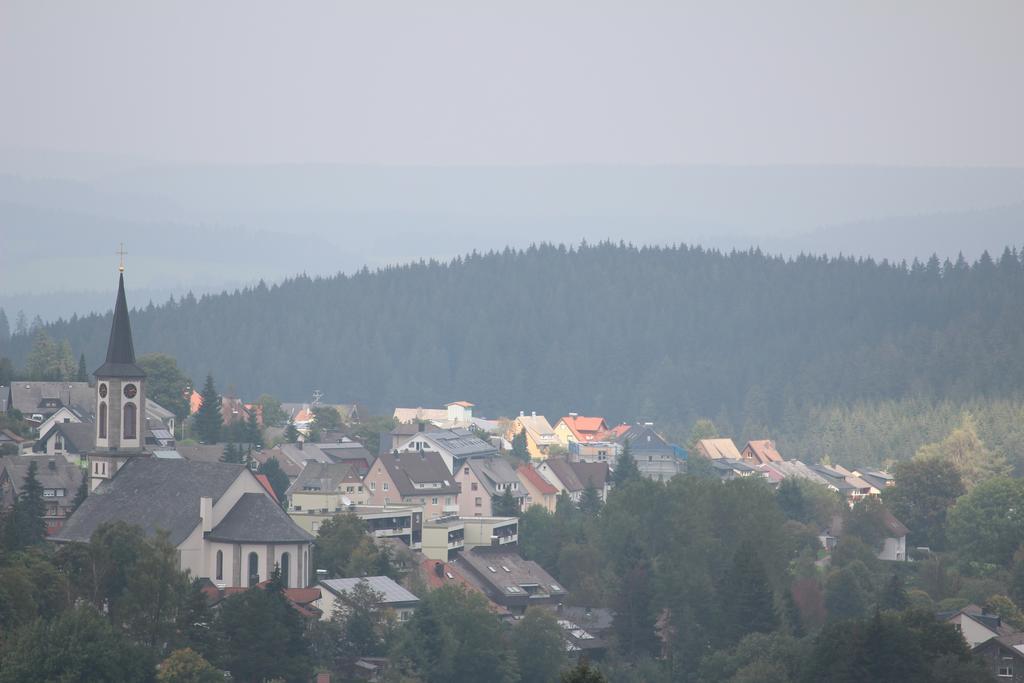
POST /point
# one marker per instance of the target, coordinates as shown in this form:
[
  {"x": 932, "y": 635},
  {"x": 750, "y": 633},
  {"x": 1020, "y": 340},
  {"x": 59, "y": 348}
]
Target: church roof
[
  {"x": 120, "y": 350},
  {"x": 154, "y": 494},
  {"x": 255, "y": 518}
]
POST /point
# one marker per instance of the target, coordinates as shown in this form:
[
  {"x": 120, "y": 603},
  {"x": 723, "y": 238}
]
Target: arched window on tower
[
  {"x": 103, "y": 420},
  {"x": 286, "y": 561},
  {"x": 130, "y": 412},
  {"x": 220, "y": 565},
  {"x": 254, "y": 569}
]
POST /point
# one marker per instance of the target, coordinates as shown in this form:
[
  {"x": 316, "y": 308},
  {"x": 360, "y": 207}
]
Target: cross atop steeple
[{"x": 122, "y": 253}]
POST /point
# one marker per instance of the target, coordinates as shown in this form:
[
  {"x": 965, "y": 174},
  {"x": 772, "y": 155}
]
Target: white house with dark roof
[
  {"x": 455, "y": 446},
  {"x": 484, "y": 479}
]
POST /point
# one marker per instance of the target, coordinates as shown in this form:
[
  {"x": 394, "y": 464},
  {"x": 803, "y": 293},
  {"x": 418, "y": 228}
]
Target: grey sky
[{"x": 917, "y": 83}]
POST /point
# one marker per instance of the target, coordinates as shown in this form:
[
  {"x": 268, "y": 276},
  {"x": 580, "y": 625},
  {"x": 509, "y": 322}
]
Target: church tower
[{"x": 120, "y": 399}]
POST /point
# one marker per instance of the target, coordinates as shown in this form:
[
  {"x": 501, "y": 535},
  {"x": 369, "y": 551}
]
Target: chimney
[
  {"x": 522, "y": 414},
  {"x": 533, "y": 413},
  {"x": 206, "y": 513},
  {"x": 574, "y": 414},
  {"x": 439, "y": 569}
]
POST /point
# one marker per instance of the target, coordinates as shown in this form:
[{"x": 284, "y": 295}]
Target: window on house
[
  {"x": 479, "y": 502},
  {"x": 1006, "y": 671},
  {"x": 373, "y": 486},
  {"x": 220, "y": 566},
  {"x": 433, "y": 501},
  {"x": 447, "y": 500},
  {"x": 130, "y": 428},
  {"x": 473, "y": 486},
  {"x": 286, "y": 564},
  {"x": 254, "y": 569},
  {"x": 385, "y": 486},
  {"x": 316, "y": 526},
  {"x": 465, "y": 470}
]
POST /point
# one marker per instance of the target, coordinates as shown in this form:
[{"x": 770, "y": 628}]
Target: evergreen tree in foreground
[
  {"x": 208, "y": 420},
  {"x": 83, "y": 491},
  {"x": 27, "y": 523},
  {"x": 625, "y": 468},
  {"x": 83, "y": 373}
]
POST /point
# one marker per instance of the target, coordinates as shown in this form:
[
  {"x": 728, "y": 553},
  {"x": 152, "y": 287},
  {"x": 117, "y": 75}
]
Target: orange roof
[
  {"x": 262, "y": 478},
  {"x": 536, "y": 480},
  {"x": 464, "y": 404},
  {"x": 618, "y": 430},
  {"x": 763, "y": 450},
  {"x": 195, "y": 402},
  {"x": 585, "y": 428}
]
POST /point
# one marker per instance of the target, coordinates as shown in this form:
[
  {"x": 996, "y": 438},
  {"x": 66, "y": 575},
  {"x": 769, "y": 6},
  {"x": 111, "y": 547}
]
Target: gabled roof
[
  {"x": 585, "y": 428},
  {"x": 531, "y": 475},
  {"x": 464, "y": 404},
  {"x": 265, "y": 483},
  {"x": 763, "y": 450},
  {"x": 421, "y": 467},
  {"x": 719, "y": 448},
  {"x": 523, "y": 576},
  {"x": 27, "y": 396},
  {"x": 79, "y": 437},
  {"x": 565, "y": 473},
  {"x": 461, "y": 443},
  {"x": 539, "y": 429},
  {"x": 394, "y": 594},
  {"x": 255, "y": 518},
  {"x": 154, "y": 494},
  {"x": 64, "y": 475},
  {"x": 591, "y": 473},
  {"x": 318, "y": 477},
  {"x": 643, "y": 437},
  {"x": 120, "y": 349},
  {"x": 1012, "y": 643},
  {"x": 494, "y": 471},
  {"x": 405, "y": 415}
]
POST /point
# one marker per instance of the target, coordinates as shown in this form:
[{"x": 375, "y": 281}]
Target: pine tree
[
  {"x": 276, "y": 476},
  {"x": 749, "y": 602},
  {"x": 505, "y": 505},
  {"x": 291, "y": 434},
  {"x": 209, "y": 420},
  {"x": 519, "y": 446},
  {"x": 895, "y": 594},
  {"x": 232, "y": 453},
  {"x": 625, "y": 467},
  {"x": 254, "y": 433},
  {"x": 83, "y": 374},
  {"x": 28, "y": 517},
  {"x": 590, "y": 501}
]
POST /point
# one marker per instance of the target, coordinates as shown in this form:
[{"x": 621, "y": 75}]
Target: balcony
[
  {"x": 388, "y": 532},
  {"x": 458, "y": 543},
  {"x": 450, "y": 509},
  {"x": 511, "y": 538}
]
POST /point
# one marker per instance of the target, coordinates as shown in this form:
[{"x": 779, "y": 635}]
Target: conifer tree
[
  {"x": 505, "y": 505},
  {"x": 27, "y": 518},
  {"x": 232, "y": 453},
  {"x": 208, "y": 420},
  {"x": 519, "y": 447},
  {"x": 291, "y": 434},
  {"x": 749, "y": 603},
  {"x": 83, "y": 373},
  {"x": 625, "y": 468},
  {"x": 590, "y": 500},
  {"x": 253, "y": 431}
]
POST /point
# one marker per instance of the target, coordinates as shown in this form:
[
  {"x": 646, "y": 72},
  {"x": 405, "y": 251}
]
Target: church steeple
[
  {"x": 120, "y": 349},
  {"x": 120, "y": 398}
]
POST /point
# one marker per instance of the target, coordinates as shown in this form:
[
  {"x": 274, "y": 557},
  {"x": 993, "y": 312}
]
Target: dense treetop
[{"x": 671, "y": 333}]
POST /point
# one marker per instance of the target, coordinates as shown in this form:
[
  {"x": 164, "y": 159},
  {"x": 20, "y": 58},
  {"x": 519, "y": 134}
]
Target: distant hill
[{"x": 665, "y": 333}]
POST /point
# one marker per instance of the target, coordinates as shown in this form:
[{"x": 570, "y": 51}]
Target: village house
[
  {"x": 761, "y": 452},
  {"x": 327, "y": 487},
  {"x": 510, "y": 581},
  {"x": 455, "y": 446},
  {"x": 894, "y": 546},
  {"x": 714, "y": 449},
  {"x": 484, "y": 479},
  {"x": 595, "y": 451},
  {"x": 419, "y": 477},
  {"x": 1003, "y": 656},
  {"x": 539, "y": 491},
  {"x": 540, "y": 437},
  {"x": 573, "y": 478},
  {"x": 975, "y": 624},
  {"x": 655, "y": 457},
  {"x": 574, "y": 428},
  {"x": 394, "y": 597},
  {"x": 59, "y": 479}
]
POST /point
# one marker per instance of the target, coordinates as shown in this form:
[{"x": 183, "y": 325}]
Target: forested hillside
[{"x": 668, "y": 333}]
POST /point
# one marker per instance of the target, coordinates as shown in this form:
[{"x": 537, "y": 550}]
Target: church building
[{"x": 224, "y": 523}]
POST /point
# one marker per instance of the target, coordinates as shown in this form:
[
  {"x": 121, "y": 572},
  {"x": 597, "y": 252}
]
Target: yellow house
[
  {"x": 540, "y": 437},
  {"x": 575, "y": 428}
]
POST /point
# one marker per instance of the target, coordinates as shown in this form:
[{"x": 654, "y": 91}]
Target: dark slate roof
[
  {"x": 64, "y": 475},
  {"x": 494, "y": 471},
  {"x": 461, "y": 443},
  {"x": 153, "y": 494},
  {"x": 642, "y": 437},
  {"x": 27, "y": 396},
  {"x": 120, "y": 349},
  {"x": 420, "y": 467},
  {"x": 566, "y": 474},
  {"x": 323, "y": 477},
  {"x": 591, "y": 473},
  {"x": 256, "y": 518},
  {"x": 79, "y": 437}
]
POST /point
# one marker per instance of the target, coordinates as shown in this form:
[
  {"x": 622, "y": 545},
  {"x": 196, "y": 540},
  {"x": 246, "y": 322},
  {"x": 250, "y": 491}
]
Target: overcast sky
[{"x": 917, "y": 83}]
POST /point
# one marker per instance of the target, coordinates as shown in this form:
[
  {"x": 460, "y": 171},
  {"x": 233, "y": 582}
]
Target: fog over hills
[{"x": 204, "y": 228}]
